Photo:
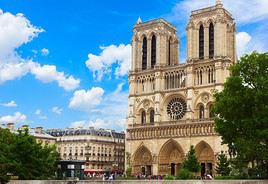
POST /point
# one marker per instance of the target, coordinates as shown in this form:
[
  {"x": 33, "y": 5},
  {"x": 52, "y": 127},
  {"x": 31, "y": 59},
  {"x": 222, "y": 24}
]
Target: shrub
[
  {"x": 128, "y": 171},
  {"x": 169, "y": 177},
  {"x": 185, "y": 174}
]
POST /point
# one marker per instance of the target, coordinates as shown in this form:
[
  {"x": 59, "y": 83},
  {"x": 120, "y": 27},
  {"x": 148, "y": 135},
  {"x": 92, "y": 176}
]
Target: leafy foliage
[
  {"x": 169, "y": 177},
  {"x": 22, "y": 156},
  {"x": 241, "y": 109},
  {"x": 223, "y": 165},
  {"x": 191, "y": 163},
  {"x": 185, "y": 174}
]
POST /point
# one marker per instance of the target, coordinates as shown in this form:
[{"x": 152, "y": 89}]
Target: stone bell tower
[
  {"x": 211, "y": 34},
  {"x": 154, "y": 43}
]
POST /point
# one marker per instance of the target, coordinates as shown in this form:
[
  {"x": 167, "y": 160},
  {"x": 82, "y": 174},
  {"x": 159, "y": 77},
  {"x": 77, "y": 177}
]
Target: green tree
[
  {"x": 241, "y": 109},
  {"x": 6, "y": 162},
  {"x": 191, "y": 163},
  {"x": 223, "y": 165},
  {"x": 22, "y": 156}
]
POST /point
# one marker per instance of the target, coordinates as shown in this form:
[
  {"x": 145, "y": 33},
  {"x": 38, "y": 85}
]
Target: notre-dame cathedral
[{"x": 170, "y": 103}]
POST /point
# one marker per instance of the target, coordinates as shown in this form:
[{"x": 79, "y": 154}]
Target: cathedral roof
[{"x": 155, "y": 21}]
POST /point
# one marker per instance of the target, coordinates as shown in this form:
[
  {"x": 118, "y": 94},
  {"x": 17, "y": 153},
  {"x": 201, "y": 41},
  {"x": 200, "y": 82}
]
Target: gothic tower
[{"x": 170, "y": 103}]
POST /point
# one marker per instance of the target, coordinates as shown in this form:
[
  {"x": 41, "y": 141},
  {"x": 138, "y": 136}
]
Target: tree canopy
[
  {"x": 223, "y": 166},
  {"x": 191, "y": 163},
  {"x": 242, "y": 110},
  {"x": 22, "y": 156}
]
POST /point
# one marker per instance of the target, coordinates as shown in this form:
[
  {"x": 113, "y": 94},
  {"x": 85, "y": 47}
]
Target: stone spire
[{"x": 139, "y": 21}]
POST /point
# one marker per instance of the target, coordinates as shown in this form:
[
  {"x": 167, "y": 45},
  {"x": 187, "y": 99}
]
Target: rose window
[{"x": 176, "y": 108}]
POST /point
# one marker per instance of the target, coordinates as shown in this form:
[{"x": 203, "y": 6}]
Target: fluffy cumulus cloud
[
  {"x": 242, "y": 42},
  {"x": 12, "y": 103},
  {"x": 57, "y": 110},
  {"x": 256, "y": 13},
  {"x": 257, "y": 10},
  {"x": 119, "y": 56},
  {"x": 49, "y": 73},
  {"x": 109, "y": 113},
  {"x": 17, "y": 117},
  {"x": 15, "y": 31},
  {"x": 85, "y": 100}
]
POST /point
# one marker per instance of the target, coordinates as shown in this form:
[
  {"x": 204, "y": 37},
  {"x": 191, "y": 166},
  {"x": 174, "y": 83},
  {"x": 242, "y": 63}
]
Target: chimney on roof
[
  {"x": 10, "y": 126},
  {"x": 39, "y": 130},
  {"x": 23, "y": 127}
]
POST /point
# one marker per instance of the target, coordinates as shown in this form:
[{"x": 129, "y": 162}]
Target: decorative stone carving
[
  {"x": 205, "y": 98},
  {"x": 176, "y": 108},
  {"x": 146, "y": 104}
]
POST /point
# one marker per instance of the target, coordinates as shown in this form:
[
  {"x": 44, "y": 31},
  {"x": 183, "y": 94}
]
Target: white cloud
[
  {"x": 109, "y": 113},
  {"x": 242, "y": 43},
  {"x": 17, "y": 117},
  {"x": 49, "y": 73},
  {"x": 57, "y": 110},
  {"x": 12, "y": 103},
  {"x": 86, "y": 100},
  {"x": 37, "y": 112},
  {"x": 78, "y": 124},
  {"x": 44, "y": 52},
  {"x": 256, "y": 10},
  {"x": 118, "y": 125},
  {"x": 15, "y": 31},
  {"x": 110, "y": 55}
]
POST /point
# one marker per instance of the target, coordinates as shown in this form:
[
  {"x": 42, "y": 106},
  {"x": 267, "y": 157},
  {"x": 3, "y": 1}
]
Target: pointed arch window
[
  {"x": 211, "y": 40},
  {"x": 201, "y": 111},
  {"x": 153, "y": 51},
  {"x": 211, "y": 114},
  {"x": 152, "y": 117},
  {"x": 143, "y": 117},
  {"x": 144, "y": 53},
  {"x": 201, "y": 42}
]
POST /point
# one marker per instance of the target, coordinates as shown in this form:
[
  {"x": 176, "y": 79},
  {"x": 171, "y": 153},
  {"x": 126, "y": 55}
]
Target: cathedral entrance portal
[
  {"x": 170, "y": 158},
  {"x": 142, "y": 161},
  {"x": 205, "y": 156}
]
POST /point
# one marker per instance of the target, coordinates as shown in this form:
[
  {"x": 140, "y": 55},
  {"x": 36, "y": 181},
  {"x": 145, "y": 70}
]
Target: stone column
[
  {"x": 149, "y": 49},
  {"x": 206, "y": 42}
]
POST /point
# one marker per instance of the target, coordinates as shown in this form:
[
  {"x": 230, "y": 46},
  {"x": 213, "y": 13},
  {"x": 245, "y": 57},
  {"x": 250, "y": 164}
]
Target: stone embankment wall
[{"x": 140, "y": 182}]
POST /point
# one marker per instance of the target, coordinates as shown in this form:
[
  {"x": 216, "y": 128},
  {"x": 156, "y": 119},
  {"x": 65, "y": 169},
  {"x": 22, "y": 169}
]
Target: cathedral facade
[{"x": 170, "y": 103}]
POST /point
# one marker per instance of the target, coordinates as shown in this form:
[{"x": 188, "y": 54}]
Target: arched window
[
  {"x": 201, "y": 111},
  {"x": 144, "y": 53},
  {"x": 152, "y": 117},
  {"x": 211, "y": 40},
  {"x": 143, "y": 117},
  {"x": 211, "y": 114},
  {"x": 153, "y": 51},
  {"x": 201, "y": 42},
  {"x": 200, "y": 77},
  {"x": 209, "y": 75},
  {"x": 169, "y": 52}
]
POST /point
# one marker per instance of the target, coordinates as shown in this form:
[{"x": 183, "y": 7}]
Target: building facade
[
  {"x": 102, "y": 150},
  {"x": 38, "y": 133},
  {"x": 170, "y": 103}
]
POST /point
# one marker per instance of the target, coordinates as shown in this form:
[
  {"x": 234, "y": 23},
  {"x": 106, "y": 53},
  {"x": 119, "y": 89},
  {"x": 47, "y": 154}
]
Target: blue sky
[{"x": 65, "y": 63}]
